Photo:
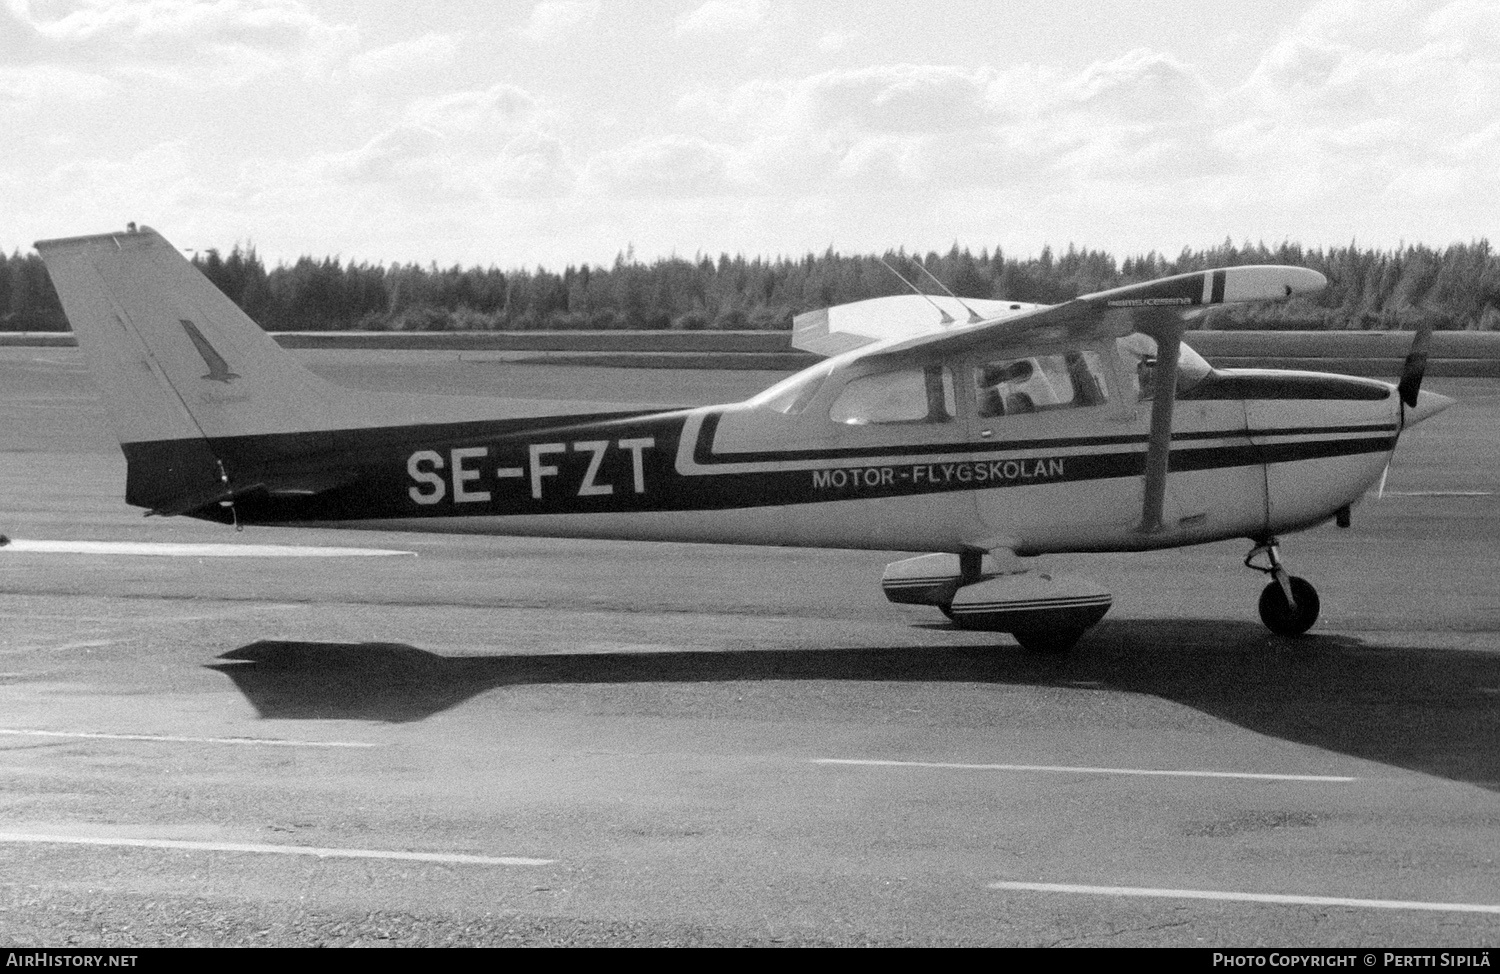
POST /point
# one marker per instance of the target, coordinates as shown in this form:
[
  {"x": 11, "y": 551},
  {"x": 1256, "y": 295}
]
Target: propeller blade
[
  {"x": 1380, "y": 493},
  {"x": 1414, "y": 367}
]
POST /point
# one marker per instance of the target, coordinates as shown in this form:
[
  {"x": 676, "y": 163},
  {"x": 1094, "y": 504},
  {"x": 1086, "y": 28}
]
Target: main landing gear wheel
[
  {"x": 1289, "y": 605},
  {"x": 1289, "y": 619},
  {"x": 1052, "y": 641}
]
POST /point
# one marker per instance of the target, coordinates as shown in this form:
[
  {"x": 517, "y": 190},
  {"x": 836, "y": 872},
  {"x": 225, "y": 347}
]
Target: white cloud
[
  {"x": 35, "y": 83},
  {"x": 531, "y": 166},
  {"x": 1361, "y": 23},
  {"x": 404, "y": 57},
  {"x": 1431, "y": 70},
  {"x": 217, "y": 40},
  {"x": 392, "y": 155},
  {"x": 886, "y": 160},
  {"x": 557, "y": 21},
  {"x": 412, "y": 162},
  {"x": 894, "y": 98},
  {"x": 1468, "y": 26},
  {"x": 902, "y": 98},
  {"x": 501, "y": 109},
  {"x": 833, "y": 42},
  {"x": 1159, "y": 154},
  {"x": 1373, "y": 119},
  {"x": 1140, "y": 86},
  {"x": 257, "y": 23},
  {"x": 452, "y": 149},
  {"x": 113, "y": 190},
  {"x": 670, "y": 166},
  {"x": 926, "y": 127},
  {"x": 722, "y": 16}
]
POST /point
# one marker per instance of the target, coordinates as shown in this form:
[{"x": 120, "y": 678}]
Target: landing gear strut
[{"x": 1289, "y": 605}]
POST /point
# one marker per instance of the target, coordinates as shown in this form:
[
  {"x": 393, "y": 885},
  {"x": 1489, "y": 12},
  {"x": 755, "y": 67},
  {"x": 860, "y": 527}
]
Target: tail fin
[
  {"x": 179, "y": 365},
  {"x": 206, "y": 405},
  {"x": 174, "y": 357}
]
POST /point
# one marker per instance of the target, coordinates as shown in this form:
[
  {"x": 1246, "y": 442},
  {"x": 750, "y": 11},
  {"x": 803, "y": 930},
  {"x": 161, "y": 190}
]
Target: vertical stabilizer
[
  {"x": 207, "y": 406},
  {"x": 175, "y": 358},
  {"x": 179, "y": 367}
]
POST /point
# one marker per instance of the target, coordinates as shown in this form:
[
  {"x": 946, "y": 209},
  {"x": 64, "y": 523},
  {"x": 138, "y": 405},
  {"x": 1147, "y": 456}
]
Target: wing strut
[{"x": 1167, "y": 330}]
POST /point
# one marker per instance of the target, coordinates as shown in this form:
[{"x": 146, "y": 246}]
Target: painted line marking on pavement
[
  {"x": 1255, "y": 776},
  {"x": 1439, "y": 493},
  {"x": 173, "y": 739},
  {"x": 174, "y": 550},
  {"x": 228, "y": 610},
  {"x": 282, "y": 850},
  {"x": 63, "y": 648},
  {"x": 1229, "y": 896}
]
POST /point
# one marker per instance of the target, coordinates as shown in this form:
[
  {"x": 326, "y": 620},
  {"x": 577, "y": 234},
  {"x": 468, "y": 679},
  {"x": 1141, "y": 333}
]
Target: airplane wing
[
  {"x": 1160, "y": 308},
  {"x": 1154, "y": 307},
  {"x": 845, "y": 327}
]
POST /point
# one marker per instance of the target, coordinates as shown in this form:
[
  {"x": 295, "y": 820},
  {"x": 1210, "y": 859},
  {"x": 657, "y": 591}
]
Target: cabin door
[{"x": 1070, "y": 431}]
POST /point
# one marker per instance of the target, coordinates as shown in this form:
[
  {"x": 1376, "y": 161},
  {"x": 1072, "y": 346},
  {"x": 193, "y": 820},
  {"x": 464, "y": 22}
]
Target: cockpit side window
[
  {"x": 1027, "y": 385},
  {"x": 907, "y": 396}
]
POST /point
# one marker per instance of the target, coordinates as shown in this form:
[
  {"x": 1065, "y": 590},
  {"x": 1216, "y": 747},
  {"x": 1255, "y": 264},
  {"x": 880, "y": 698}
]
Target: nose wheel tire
[{"x": 1284, "y": 619}]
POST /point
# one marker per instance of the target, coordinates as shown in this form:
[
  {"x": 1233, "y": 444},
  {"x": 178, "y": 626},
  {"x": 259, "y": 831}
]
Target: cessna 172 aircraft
[{"x": 1086, "y": 426}]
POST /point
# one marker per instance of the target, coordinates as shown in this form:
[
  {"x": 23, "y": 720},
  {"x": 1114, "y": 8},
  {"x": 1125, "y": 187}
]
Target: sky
[{"x": 509, "y": 133}]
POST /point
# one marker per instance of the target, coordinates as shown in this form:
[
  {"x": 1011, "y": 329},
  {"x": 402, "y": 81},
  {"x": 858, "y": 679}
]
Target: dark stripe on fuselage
[
  {"x": 705, "y": 455},
  {"x": 626, "y": 461},
  {"x": 160, "y": 470},
  {"x": 1280, "y": 386},
  {"x": 598, "y": 458}
]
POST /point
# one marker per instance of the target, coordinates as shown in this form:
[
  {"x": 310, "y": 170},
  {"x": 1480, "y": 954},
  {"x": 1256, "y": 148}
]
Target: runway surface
[{"x": 516, "y": 741}]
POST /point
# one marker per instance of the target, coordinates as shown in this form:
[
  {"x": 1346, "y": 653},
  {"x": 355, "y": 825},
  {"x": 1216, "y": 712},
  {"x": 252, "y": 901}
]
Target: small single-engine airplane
[{"x": 1086, "y": 426}]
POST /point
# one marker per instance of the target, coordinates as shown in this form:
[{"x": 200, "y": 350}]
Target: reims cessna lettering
[{"x": 1080, "y": 427}]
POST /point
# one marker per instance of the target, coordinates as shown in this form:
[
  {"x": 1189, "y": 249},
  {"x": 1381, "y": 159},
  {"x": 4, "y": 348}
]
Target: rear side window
[{"x": 907, "y": 396}]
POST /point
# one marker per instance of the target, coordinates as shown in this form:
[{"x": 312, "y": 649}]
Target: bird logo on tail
[{"x": 218, "y": 369}]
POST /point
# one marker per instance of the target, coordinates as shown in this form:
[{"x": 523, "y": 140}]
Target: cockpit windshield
[
  {"x": 792, "y": 394},
  {"x": 1138, "y": 352}
]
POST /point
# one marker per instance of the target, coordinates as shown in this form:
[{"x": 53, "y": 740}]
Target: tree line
[{"x": 1457, "y": 287}]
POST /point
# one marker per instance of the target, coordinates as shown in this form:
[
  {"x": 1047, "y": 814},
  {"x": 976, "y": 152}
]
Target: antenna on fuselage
[
  {"x": 974, "y": 317},
  {"x": 947, "y": 318}
]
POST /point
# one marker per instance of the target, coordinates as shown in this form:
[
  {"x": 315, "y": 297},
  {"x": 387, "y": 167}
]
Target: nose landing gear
[{"x": 1289, "y": 605}]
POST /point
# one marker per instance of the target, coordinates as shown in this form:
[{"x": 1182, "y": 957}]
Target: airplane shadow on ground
[{"x": 1433, "y": 711}]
